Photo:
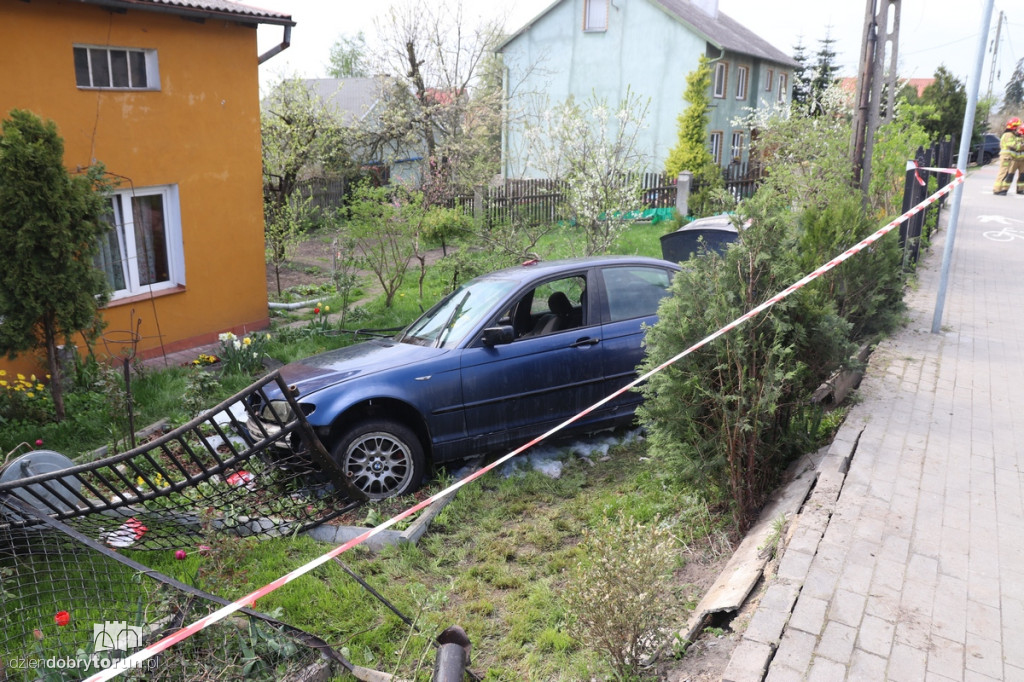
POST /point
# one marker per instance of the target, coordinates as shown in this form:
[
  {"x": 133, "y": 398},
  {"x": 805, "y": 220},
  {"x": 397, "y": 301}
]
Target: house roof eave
[
  {"x": 527, "y": 26},
  {"x": 199, "y": 9},
  {"x": 729, "y": 34}
]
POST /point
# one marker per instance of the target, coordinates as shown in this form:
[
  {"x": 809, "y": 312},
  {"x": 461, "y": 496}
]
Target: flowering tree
[
  {"x": 50, "y": 224},
  {"x": 593, "y": 149},
  {"x": 300, "y": 135},
  {"x": 443, "y": 96}
]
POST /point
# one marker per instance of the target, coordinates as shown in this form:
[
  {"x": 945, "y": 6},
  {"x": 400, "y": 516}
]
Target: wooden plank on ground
[{"x": 744, "y": 569}]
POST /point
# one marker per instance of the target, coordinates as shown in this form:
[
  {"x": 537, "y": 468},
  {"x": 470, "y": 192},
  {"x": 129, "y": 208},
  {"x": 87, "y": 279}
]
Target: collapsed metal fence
[
  {"x": 72, "y": 604},
  {"x": 73, "y": 607}
]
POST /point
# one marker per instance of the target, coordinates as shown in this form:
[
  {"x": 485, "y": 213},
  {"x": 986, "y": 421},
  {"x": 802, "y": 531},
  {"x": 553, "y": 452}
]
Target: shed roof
[
  {"x": 203, "y": 9},
  {"x": 349, "y": 98}
]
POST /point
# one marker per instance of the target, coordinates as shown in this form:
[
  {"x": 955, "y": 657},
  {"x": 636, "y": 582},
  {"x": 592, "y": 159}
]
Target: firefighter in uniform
[
  {"x": 1018, "y": 160},
  {"x": 1011, "y": 158}
]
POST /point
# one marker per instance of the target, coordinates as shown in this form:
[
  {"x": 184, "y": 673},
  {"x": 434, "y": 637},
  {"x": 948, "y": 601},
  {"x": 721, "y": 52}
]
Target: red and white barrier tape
[{"x": 250, "y": 599}]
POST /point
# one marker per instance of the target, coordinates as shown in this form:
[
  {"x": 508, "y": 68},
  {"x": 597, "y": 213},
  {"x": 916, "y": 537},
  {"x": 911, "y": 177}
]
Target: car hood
[{"x": 344, "y": 364}]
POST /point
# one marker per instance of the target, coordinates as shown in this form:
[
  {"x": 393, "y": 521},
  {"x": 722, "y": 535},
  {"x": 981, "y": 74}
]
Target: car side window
[
  {"x": 550, "y": 307},
  {"x": 634, "y": 291}
]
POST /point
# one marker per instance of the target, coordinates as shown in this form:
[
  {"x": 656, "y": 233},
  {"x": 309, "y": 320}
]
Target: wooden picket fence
[
  {"x": 539, "y": 201},
  {"x": 542, "y": 200}
]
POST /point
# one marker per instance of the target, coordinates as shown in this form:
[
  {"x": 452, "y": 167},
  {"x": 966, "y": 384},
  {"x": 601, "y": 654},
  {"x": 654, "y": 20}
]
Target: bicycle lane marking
[{"x": 250, "y": 599}]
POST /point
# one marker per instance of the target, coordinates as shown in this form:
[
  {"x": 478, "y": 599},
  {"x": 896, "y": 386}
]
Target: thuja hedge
[{"x": 731, "y": 415}]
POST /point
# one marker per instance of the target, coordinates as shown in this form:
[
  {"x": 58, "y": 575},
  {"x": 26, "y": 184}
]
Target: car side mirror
[{"x": 497, "y": 336}]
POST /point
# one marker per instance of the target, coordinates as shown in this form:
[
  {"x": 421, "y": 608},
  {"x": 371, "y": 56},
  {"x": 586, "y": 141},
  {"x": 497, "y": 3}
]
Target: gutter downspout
[{"x": 286, "y": 41}]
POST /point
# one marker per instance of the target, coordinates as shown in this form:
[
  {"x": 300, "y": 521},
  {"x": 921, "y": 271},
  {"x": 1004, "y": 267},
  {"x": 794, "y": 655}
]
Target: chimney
[{"x": 708, "y": 7}]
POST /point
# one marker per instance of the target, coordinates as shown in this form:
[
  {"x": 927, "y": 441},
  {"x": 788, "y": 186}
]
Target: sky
[{"x": 932, "y": 32}]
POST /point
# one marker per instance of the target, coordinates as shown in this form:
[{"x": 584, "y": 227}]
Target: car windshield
[{"x": 448, "y": 322}]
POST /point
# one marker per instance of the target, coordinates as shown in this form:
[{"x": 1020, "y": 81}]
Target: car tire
[
  {"x": 986, "y": 159},
  {"x": 381, "y": 458}
]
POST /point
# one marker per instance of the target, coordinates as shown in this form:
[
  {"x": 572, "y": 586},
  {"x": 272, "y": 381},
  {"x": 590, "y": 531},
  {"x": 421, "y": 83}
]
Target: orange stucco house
[{"x": 165, "y": 94}]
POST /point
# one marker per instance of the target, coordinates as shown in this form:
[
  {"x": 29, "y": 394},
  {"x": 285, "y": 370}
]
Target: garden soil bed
[{"x": 310, "y": 264}]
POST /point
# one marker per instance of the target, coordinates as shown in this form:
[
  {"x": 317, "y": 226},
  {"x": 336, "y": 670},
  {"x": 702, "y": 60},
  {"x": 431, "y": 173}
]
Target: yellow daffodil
[{"x": 246, "y": 341}]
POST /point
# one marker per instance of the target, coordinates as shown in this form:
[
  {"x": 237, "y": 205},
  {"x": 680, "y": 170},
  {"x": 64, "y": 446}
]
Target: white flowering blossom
[{"x": 593, "y": 149}]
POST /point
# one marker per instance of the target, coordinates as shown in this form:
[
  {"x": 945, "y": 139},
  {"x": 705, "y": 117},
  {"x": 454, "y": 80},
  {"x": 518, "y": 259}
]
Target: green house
[{"x": 606, "y": 47}]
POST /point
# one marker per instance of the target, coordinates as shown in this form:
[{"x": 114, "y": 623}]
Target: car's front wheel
[{"x": 381, "y": 458}]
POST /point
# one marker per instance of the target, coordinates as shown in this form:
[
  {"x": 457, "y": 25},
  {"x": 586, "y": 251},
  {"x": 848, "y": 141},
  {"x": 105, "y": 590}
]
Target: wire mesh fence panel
[
  {"x": 225, "y": 470},
  {"x": 68, "y": 598},
  {"x": 73, "y": 607}
]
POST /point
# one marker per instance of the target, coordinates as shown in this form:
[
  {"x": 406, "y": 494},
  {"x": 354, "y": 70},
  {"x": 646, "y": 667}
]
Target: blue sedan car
[{"x": 502, "y": 359}]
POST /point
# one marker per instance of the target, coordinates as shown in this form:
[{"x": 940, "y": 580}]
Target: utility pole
[
  {"x": 867, "y": 68},
  {"x": 881, "y": 36},
  {"x": 995, "y": 51}
]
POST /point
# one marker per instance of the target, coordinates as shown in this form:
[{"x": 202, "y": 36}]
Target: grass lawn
[{"x": 495, "y": 561}]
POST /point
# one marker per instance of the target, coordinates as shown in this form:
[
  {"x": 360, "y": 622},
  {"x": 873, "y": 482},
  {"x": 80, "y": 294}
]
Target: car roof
[{"x": 532, "y": 269}]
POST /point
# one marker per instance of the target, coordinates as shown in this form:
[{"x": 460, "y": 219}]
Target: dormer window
[{"x": 595, "y": 15}]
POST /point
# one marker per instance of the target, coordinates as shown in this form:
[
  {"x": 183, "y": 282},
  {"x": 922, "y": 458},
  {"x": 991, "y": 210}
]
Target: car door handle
[{"x": 585, "y": 341}]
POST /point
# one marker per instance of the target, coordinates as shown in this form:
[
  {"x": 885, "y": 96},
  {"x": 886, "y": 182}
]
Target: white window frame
[
  {"x": 769, "y": 80},
  {"x": 94, "y": 52},
  {"x": 595, "y": 15},
  {"x": 721, "y": 81},
  {"x": 123, "y": 222},
  {"x": 717, "y": 138},
  {"x": 737, "y": 145},
  {"x": 742, "y": 73},
  {"x": 783, "y": 87}
]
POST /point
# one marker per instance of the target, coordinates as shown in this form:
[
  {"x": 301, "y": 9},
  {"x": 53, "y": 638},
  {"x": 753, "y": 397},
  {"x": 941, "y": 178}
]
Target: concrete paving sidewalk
[{"x": 915, "y": 569}]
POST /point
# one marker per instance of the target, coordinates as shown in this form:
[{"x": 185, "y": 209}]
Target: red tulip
[
  {"x": 180, "y": 554},
  {"x": 39, "y": 441},
  {"x": 62, "y": 618}
]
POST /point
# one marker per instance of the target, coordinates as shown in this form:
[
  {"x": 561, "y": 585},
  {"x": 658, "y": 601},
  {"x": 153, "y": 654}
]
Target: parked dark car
[
  {"x": 504, "y": 358},
  {"x": 986, "y": 150}
]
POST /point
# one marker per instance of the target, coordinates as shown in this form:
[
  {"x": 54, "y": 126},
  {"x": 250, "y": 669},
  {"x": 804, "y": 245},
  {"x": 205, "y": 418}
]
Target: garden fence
[
  {"x": 918, "y": 184},
  {"x": 64, "y": 529},
  {"x": 72, "y": 607},
  {"x": 543, "y": 200}
]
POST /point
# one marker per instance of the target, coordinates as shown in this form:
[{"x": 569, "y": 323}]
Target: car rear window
[{"x": 635, "y": 291}]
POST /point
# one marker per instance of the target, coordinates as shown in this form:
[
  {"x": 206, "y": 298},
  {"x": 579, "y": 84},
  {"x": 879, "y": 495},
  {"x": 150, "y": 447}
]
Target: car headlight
[{"x": 277, "y": 412}]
